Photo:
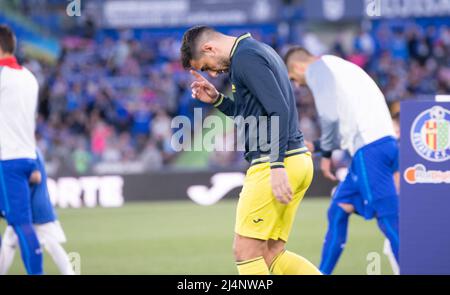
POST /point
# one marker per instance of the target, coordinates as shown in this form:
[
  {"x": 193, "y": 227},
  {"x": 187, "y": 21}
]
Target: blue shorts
[
  {"x": 369, "y": 185},
  {"x": 15, "y": 200},
  {"x": 41, "y": 207}
]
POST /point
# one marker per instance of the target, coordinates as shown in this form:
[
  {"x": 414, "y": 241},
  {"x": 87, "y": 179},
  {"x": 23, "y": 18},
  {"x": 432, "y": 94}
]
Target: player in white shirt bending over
[
  {"x": 353, "y": 116},
  {"x": 18, "y": 102}
]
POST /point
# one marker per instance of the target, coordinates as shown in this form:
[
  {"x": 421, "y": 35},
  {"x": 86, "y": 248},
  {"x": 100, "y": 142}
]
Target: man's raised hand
[{"x": 202, "y": 89}]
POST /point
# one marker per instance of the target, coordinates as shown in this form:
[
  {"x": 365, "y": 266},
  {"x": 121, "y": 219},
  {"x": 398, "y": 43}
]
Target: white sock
[
  {"x": 8, "y": 250},
  {"x": 387, "y": 250},
  {"x": 59, "y": 256}
]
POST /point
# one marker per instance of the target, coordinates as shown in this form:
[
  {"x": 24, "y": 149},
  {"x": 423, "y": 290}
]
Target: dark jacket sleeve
[
  {"x": 256, "y": 74},
  {"x": 226, "y": 105}
]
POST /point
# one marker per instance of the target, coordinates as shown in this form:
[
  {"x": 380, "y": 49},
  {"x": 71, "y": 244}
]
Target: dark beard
[{"x": 224, "y": 66}]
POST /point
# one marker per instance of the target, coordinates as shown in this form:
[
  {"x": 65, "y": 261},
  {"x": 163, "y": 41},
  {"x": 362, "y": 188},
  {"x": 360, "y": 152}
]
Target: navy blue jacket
[{"x": 261, "y": 87}]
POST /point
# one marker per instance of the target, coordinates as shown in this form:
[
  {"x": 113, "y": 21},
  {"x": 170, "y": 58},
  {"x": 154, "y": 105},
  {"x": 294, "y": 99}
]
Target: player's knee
[
  {"x": 247, "y": 248},
  {"x": 389, "y": 226},
  {"x": 276, "y": 246},
  {"x": 27, "y": 234},
  {"x": 47, "y": 242},
  {"x": 336, "y": 211},
  {"x": 338, "y": 220},
  {"x": 273, "y": 249},
  {"x": 10, "y": 238},
  {"x": 238, "y": 249},
  {"x": 348, "y": 208}
]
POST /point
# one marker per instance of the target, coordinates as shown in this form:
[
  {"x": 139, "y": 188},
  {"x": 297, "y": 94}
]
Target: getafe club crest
[{"x": 430, "y": 134}]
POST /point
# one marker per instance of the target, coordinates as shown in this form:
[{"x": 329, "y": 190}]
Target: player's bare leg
[
  {"x": 249, "y": 255},
  {"x": 283, "y": 262},
  {"x": 348, "y": 208},
  {"x": 274, "y": 248}
]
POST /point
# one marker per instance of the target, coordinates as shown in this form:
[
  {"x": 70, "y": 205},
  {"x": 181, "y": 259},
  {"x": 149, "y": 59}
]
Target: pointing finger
[
  {"x": 197, "y": 75},
  {"x": 196, "y": 84}
]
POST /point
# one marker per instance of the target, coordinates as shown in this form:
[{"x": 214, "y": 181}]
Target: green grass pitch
[{"x": 185, "y": 238}]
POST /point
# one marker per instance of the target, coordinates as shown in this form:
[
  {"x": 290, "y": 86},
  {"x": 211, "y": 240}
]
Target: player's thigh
[
  {"x": 41, "y": 206},
  {"x": 289, "y": 215},
  {"x": 258, "y": 211},
  {"x": 347, "y": 207},
  {"x": 387, "y": 206},
  {"x": 300, "y": 171},
  {"x": 375, "y": 175},
  {"x": 348, "y": 194},
  {"x": 15, "y": 192},
  {"x": 50, "y": 231}
]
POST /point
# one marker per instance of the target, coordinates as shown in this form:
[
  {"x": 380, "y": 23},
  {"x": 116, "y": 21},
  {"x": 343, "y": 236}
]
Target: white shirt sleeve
[{"x": 322, "y": 84}]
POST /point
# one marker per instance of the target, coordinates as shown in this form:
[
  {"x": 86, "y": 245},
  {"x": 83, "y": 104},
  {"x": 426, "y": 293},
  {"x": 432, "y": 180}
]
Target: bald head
[{"x": 297, "y": 60}]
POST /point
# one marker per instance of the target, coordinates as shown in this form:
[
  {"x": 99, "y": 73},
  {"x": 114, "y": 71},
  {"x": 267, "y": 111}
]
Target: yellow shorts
[{"x": 259, "y": 215}]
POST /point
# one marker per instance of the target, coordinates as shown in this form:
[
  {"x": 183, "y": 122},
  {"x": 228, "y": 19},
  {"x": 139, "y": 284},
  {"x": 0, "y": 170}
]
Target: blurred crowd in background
[{"x": 110, "y": 100}]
